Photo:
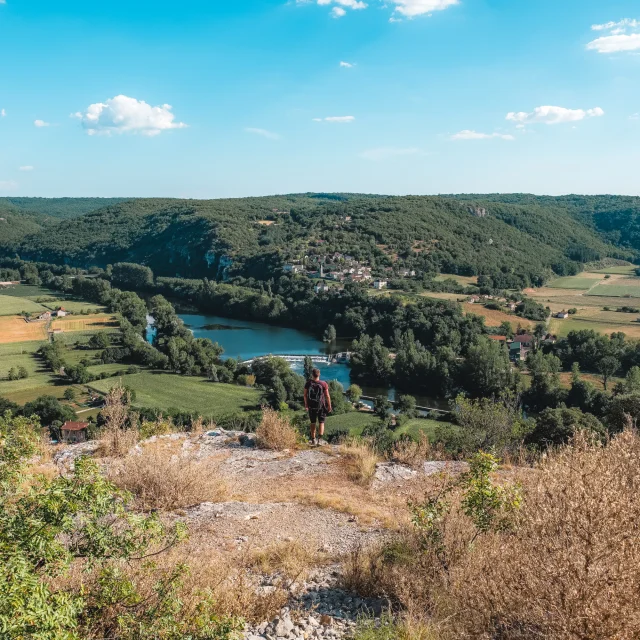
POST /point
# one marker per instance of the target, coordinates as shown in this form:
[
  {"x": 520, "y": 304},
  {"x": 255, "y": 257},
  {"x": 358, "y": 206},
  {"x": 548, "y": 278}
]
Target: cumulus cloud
[
  {"x": 338, "y": 12},
  {"x": 623, "y": 35},
  {"x": 263, "y": 132},
  {"x": 346, "y": 65},
  {"x": 26, "y": 167},
  {"x": 634, "y": 116},
  {"x": 41, "y": 123},
  {"x": 413, "y": 8},
  {"x": 122, "y": 114},
  {"x": 468, "y": 134},
  {"x": 385, "y": 153},
  {"x": 554, "y": 115},
  {"x": 338, "y": 119}
]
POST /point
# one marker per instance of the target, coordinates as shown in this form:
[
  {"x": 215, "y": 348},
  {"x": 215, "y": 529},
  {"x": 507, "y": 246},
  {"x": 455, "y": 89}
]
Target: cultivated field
[
  {"x": 90, "y": 323},
  {"x": 622, "y": 288},
  {"x": 11, "y": 305},
  {"x": 17, "y": 329},
  {"x": 29, "y": 291},
  {"x": 582, "y": 282},
  {"x": 166, "y": 391},
  {"x": 495, "y": 318}
]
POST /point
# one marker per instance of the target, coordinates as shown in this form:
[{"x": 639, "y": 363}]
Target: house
[
  {"x": 379, "y": 284},
  {"x": 293, "y": 268},
  {"x": 500, "y": 339},
  {"x": 73, "y": 432},
  {"x": 473, "y": 299},
  {"x": 517, "y": 351},
  {"x": 44, "y": 316},
  {"x": 525, "y": 340},
  {"x": 60, "y": 312},
  {"x": 563, "y": 315},
  {"x": 512, "y": 306},
  {"x": 321, "y": 287}
]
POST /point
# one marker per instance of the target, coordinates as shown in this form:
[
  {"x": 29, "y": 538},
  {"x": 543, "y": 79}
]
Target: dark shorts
[{"x": 317, "y": 415}]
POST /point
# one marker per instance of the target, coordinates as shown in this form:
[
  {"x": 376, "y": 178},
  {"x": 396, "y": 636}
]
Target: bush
[
  {"x": 275, "y": 431},
  {"x": 160, "y": 480}
]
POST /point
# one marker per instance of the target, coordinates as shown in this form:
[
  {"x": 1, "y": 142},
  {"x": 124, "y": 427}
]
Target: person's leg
[
  {"x": 321, "y": 429},
  {"x": 313, "y": 417}
]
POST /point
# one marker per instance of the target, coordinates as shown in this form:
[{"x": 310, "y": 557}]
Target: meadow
[
  {"x": 12, "y": 305},
  {"x": 169, "y": 391},
  {"x": 582, "y": 282}
]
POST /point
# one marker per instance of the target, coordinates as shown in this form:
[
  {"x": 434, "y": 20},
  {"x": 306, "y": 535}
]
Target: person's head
[{"x": 315, "y": 374}]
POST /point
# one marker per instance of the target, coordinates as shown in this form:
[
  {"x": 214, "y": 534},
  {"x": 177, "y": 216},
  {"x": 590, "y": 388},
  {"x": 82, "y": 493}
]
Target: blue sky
[{"x": 277, "y": 96}]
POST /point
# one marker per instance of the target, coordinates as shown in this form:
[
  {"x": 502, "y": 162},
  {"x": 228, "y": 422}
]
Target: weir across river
[{"x": 336, "y": 358}]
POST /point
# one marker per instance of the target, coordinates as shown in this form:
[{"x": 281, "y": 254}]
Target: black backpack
[{"x": 315, "y": 395}]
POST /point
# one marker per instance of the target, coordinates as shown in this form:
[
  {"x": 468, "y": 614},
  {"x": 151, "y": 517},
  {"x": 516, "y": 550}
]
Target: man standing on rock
[{"x": 317, "y": 402}]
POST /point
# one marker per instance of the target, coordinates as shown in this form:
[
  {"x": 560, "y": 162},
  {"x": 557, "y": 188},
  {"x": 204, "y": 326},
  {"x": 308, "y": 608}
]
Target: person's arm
[
  {"x": 306, "y": 402},
  {"x": 328, "y": 397}
]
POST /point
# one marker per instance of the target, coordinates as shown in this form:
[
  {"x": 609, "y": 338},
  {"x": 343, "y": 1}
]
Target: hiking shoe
[{"x": 312, "y": 442}]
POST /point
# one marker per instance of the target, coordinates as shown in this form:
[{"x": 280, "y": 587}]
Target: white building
[
  {"x": 321, "y": 287},
  {"x": 379, "y": 284}
]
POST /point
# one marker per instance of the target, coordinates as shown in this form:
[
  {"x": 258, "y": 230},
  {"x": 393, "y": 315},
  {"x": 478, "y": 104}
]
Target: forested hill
[{"x": 526, "y": 236}]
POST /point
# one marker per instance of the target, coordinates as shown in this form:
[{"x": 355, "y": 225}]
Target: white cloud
[
  {"x": 346, "y": 65},
  {"x": 8, "y": 185},
  {"x": 122, "y": 114},
  {"x": 27, "y": 167},
  {"x": 41, "y": 123},
  {"x": 413, "y": 8},
  {"x": 611, "y": 26},
  {"x": 616, "y": 43},
  {"x": 618, "y": 40},
  {"x": 468, "y": 134},
  {"x": 339, "y": 7},
  {"x": 554, "y": 115},
  {"x": 384, "y": 153},
  {"x": 339, "y": 119},
  {"x": 263, "y": 132},
  {"x": 634, "y": 116},
  {"x": 3, "y": 113}
]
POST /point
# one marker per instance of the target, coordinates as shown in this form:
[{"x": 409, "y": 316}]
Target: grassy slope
[
  {"x": 12, "y": 305},
  {"x": 166, "y": 390}
]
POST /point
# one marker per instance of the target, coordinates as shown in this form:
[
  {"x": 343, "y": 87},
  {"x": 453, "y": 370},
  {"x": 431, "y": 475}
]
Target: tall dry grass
[
  {"x": 275, "y": 431},
  {"x": 117, "y": 436},
  {"x": 359, "y": 459},
  {"x": 569, "y": 569},
  {"x": 160, "y": 479}
]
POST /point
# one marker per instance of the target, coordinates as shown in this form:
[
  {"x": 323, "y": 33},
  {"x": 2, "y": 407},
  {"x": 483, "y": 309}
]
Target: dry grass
[
  {"x": 16, "y": 329},
  {"x": 84, "y": 323},
  {"x": 569, "y": 569},
  {"x": 414, "y": 452},
  {"x": 275, "y": 431},
  {"x": 161, "y": 480},
  {"x": 360, "y": 460},
  {"x": 290, "y": 559},
  {"x": 116, "y": 439}
]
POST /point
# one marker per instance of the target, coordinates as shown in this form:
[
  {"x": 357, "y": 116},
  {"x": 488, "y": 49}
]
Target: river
[{"x": 244, "y": 340}]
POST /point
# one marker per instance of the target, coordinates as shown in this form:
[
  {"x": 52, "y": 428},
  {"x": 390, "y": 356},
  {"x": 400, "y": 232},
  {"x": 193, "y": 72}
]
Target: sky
[{"x": 213, "y": 98}]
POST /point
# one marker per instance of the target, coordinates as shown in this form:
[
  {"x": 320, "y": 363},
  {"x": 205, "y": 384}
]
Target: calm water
[{"x": 245, "y": 340}]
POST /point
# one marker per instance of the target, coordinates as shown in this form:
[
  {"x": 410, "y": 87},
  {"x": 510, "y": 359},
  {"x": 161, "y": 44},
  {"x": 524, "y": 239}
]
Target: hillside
[{"x": 529, "y": 236}]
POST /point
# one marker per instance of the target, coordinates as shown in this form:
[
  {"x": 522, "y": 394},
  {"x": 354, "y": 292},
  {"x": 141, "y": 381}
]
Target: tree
[
  {"x": 506, "y": 329},
  {"x": 330, "y": 334},
  {"x": 371, "y": 360},
  {"x": 69, "y": 394},
  {"x": 545, "y": 390},
  {"x": 79, "y": 374},
  {"x": 48, "y": 409},
  {"x": 485, "y": 424},
  {"x": 608, "y": 367},
  {"x": 13, "y": 374},
  {"x": 487, "y": 371},
  {"x": 278, "y": 395},
  {"x": 48, "y": 525},
  {"x": 381, "y": 407},
  {"x": 99, "y": 340},
  {"x": 557, "y": 426},
  {"x": 132, "y": 276},
  {"x": 539, "y": 332},
  {"x": 22, "y": 373},
  {"x": 632, "y": 380},
  {"x": 407, "y": 406},
  {"x": 308, "y": 367},
  {"x": 354, "y": 393}
]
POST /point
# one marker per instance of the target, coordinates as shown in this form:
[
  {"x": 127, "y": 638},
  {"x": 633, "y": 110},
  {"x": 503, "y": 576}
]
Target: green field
[
  {"x": 28, "y": 291},
  {"x": 625, "y": 270},
  {"x": 74, "y": 306},
  {"x": 615, "y": 290},
  {"x": 356, "y": 421},
  {"x": 167, "y": 391},
  {"x": 13, "y": 306},
  {"x": 572, "y": 282}
]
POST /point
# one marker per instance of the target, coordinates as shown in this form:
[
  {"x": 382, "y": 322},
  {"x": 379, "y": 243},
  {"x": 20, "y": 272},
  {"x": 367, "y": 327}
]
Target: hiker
[{"x": 317, "y": 402}]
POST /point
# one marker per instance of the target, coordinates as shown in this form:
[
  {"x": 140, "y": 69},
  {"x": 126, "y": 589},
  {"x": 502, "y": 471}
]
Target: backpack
[{"x": 315, "y": 395}]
